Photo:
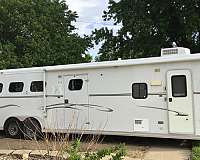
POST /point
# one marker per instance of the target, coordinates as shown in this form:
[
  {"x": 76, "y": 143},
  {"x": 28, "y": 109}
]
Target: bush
[{"x": 116, "y": 152}]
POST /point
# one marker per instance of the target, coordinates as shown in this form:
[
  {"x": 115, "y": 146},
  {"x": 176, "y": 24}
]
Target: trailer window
[
  {"x": 16, "y": 87},
  {"x": 36, "y": 86},
  {"x": 179, "y": 86},
  {"x": 139, "y": 90},
  {"x": 75, "y": 84},
  {"x": 1, "y": 87}
]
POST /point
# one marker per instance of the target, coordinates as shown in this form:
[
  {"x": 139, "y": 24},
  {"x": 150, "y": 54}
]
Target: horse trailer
[{"x": 149, "y": 97}]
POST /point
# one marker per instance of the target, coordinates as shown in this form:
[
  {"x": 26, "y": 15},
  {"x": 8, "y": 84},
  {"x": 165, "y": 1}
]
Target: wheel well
[
  {"x": 33, "y": 119},
  {"x": 9, "y": 119},
  {"x": 16, "y": 119}
]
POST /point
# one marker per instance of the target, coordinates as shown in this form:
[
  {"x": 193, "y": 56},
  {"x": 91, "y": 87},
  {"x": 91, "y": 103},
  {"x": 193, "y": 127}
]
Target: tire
[
  {"x": 32, "y": 129},
  {"x": 13, "y": 128}
]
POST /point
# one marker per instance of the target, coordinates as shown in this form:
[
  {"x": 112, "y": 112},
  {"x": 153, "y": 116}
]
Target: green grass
[
  {"x": 196, "y": 150},
  {"x": 115, "y": 153}
]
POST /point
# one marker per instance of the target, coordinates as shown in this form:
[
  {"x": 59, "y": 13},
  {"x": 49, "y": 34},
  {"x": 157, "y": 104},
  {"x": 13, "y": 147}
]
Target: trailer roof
[{"x": 116, "y": 63}]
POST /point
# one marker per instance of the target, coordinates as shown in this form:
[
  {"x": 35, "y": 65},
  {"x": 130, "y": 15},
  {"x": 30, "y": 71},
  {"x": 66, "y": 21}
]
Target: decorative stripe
[
  {"x": 165, "y": 109},
  {"x": 59, "y": 106},
  {"x": 78, "y": 107},
  {"x": 159, "y": 94},
  {"x": 54, "y": 96},
  {"x": 37, "y": 96},
  {"x": 123, "y": 94},
  {"x": 68, "y": 106},
  {"x": 9, "y": 105},
  {"x": 117, "y": 94},
  {"x": 91, "y": 95},
  {"x": 130, "y": 94}
]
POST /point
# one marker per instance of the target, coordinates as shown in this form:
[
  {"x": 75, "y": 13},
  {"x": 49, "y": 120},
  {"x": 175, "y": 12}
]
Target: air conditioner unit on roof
[{"x": 175, "y": 51}]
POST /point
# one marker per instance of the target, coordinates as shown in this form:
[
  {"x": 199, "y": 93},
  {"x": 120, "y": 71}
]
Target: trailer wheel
[
  {"x": 13, "y": 128},
  {"x": 32, "y": 129}
]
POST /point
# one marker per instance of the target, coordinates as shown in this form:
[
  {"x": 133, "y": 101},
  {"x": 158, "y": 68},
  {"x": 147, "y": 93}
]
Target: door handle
[
  {"x": 170, "y": 99},
  {"x": 66, "y": 101}
]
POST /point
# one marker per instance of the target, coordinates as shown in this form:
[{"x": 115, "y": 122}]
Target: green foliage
[
  {"x": 74, "y": 152},
  {"x": 196, "y": 153},
  {"x": 195, "y": 150},
  {"x": 148, "y": 26},
  {"x": 39, "y": 32}
]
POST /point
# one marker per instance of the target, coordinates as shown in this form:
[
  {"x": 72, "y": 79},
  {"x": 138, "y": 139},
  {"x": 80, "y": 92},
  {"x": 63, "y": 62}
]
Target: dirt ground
[{"x": 137, "y": 148}]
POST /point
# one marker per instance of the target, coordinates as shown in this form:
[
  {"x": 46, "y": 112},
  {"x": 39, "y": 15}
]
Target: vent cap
[{"x": 175, "y": 51}]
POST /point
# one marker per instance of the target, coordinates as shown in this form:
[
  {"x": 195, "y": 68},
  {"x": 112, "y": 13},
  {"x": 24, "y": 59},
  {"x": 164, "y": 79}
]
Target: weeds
[
  {"x": 60, "y": 143},
  {"x": 195, "y": 150},
  {"x": 116, "y": 153}
]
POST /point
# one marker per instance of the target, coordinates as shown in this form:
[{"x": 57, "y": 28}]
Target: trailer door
[
  {"x": 180, "y": 105},
  {"x": 76, "y": 99}
]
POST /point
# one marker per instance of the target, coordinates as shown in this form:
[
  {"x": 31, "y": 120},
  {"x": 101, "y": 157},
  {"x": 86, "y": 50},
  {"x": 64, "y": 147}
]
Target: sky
[{"x": 90, "y": 17}]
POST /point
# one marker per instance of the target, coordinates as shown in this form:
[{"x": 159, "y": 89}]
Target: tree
[
  {"x": 39, "y": 32},
  {"x": 148, "y": 26}
]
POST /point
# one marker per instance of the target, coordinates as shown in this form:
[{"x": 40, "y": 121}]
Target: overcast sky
[{"x": 90, "y": 17}]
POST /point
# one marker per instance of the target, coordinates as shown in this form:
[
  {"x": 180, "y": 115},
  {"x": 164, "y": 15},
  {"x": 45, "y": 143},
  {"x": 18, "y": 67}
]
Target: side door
[
  {"x": 76, "y": 101},
  {"x": 180, "y": 101}
]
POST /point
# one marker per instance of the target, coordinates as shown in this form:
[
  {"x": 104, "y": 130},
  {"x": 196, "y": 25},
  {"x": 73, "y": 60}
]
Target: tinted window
[
  {"x": 75, "y": 84},
  {"x": 16, "y": 87},
  {"x": 139, "y": 90},
  {"x": 36, "y": 86},
  {"x": 138, "y": 121},
  {"x": 1, "y": 87},
  {"x": 179, "y": 86}
]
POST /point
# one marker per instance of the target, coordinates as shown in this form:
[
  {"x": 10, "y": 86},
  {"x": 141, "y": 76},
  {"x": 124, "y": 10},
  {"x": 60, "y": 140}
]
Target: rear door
[{"x": 180, "y": 101}]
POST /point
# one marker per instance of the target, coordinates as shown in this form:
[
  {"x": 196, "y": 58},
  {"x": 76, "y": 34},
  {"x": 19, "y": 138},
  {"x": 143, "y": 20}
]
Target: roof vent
[{"x": 175, "y": 51}]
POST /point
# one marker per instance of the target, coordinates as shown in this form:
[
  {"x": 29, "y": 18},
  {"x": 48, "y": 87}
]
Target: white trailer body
[{"x": 151, "y": 97}]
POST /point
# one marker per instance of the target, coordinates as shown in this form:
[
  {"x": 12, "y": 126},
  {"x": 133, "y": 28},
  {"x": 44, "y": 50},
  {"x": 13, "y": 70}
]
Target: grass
[
  {"x": 115, "y": 153},
  {"x": 73, "y": 150},
  {"x": 196, "y": 150}
]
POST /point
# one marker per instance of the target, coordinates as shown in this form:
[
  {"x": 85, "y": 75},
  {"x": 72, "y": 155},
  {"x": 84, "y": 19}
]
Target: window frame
[
  {"x": 146, "y": 93},
  {"x": 34, "y": 81},
  {"x": 9, "y": 89},
  {"x": 172, "y": 84},
  {"x": 70, "y": 81},
  {"x": 1, "y": 88}
]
